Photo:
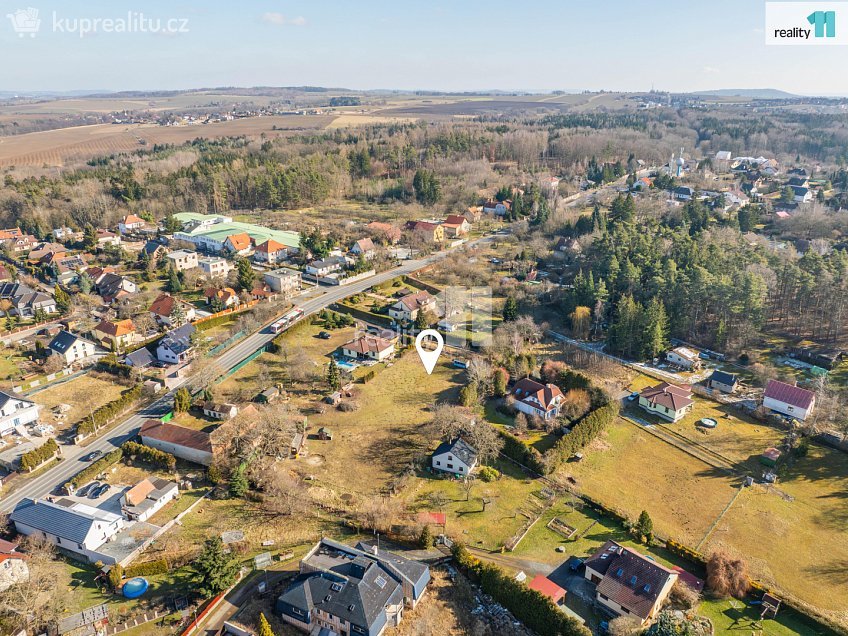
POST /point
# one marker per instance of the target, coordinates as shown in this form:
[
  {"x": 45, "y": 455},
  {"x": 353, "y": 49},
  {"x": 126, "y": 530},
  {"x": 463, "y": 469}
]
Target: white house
[
  {"x": 106, "y": 238},
  {"x": 365, "y": 248},
  {"x": 407, "y": 308},
  {"x": 71, "y": 347},
  {"x": 176, "y": 346},
  {"x": 801, "y": 195},
  {"x": 789, "y": 399},
  {"x": 540, "y": 400},
  {"x": 69, "y": 525},
  {"x": 182, "y": 260},
  {"x": 238, "y": 243},
  {"x": 684, "y": 358},
  {"x": 219, "y": 411},
  {"x": 147, "y": 497},
  {"x": 326, "y": 266},
  {"x": 130, "y": 223},
  {"x": 270, "y": 252},
  {"x": 498, "y": 208},
  {"x": 668, "y": 401},
  {"x": 214, "y": 266},
  {"x": 283, "y": 281},
  {"x": 164, "y": 310},
  {"x": 13, "y": 565},
  {"x": 456, "y": 457},
  {"x": 370, "y": 347},
  {"x": 628, "y": 583},
  {"x": 16, "y": 411}
]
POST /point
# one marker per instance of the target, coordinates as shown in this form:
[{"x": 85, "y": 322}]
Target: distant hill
[{"x": 752, "y": 93}]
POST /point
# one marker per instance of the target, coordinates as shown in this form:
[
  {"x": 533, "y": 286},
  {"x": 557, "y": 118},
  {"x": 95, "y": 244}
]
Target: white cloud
[
  {"x": 711, "y": 70},
  {"x": 279, "y": 19}
]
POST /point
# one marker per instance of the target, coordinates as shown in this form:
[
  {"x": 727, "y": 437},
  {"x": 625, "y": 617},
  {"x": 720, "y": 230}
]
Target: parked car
[
  {"x": 324, "y": 335},
  {"x": 633, "y": 396},
  {"x": 93, "y": 455},
  {"x": 100, "y": 491},
  {"x": 82, "y": 492},
  {"x": 94, "y": 489}
]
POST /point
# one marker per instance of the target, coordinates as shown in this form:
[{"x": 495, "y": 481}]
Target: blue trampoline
[{"x": 135, "y": 587}]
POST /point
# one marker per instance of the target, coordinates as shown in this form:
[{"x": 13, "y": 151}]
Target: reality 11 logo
[{"x": 824, "y": 22}]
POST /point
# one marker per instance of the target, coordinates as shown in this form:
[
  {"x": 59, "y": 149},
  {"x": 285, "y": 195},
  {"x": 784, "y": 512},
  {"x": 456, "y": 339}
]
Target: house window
[
  {"x": 461, "y": 469},
  {"x": 603, "y": 597},
  {"x": 450, "y": 466},
  {"x": 438, "y": 463}
]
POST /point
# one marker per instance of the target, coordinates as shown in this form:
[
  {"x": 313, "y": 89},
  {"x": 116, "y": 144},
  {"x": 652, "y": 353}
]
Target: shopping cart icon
[{"x": 25, "y": 21}]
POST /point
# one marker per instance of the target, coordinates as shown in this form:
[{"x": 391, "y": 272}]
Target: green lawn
[
  {"x": 10, "y": 365},
  {"x": 490, "y": 528}
]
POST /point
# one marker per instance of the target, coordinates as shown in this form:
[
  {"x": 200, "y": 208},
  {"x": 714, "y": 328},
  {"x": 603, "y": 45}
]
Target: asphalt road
[{"x": 74, "y": 456}]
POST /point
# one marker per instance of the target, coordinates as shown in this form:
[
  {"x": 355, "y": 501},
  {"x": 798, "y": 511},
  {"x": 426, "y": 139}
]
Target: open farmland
[{"x": 69, "y": 146}]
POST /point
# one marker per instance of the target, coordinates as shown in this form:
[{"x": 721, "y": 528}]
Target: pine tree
[
  {"x": 333, "y": 375},
  {"x": 246, "y": 275},
  {"x": 468, "y": 394},
  {"x": 89, "y": 238},
  {"x": 214, "y": 570},
  {"x": 644, "y": 526},
  {"x": 655, "y": 334},
  {"x": 238, "y": 482},
  {"x": 174, "y": 283},
  {"x": 510, "y": 309}
]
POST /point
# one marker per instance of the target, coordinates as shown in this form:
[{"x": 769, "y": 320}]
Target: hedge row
[
  {"x": 584, "y": 432},
  {"x": 110, "y": 364},
  {"x": 217, "y": 321},
  {"x": 37, "y": 456},
  {"x": 108, "y": 411},
  {"x": 367, "y": 316},
  {"x": 532, "y": 608},
  {"x": 90, "y": 472},
  {"x": 152, "y": 456},
  {"x": 520, "y": 452},
  {"x": 151, "y": 568}
]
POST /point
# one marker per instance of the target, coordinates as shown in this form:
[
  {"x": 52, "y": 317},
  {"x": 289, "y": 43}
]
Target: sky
[{"x": 457, "y": 45}]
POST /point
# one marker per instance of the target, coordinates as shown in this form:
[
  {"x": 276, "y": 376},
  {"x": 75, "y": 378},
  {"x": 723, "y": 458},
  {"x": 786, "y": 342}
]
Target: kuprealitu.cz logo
[
  {"x": 27, "y": 22},
  {"x": 805, "y": 23}
]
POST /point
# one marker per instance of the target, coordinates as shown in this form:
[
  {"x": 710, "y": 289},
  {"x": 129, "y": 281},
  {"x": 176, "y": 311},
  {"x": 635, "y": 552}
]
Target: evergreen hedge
[
  {"x": 37, "y": 456},
  {"x": 584, "y": 432},
  {"x": 108, "y": 411},
  {"x": 152, "y": 456},
  {"x": 151, "y": 568},
  {"x": 532, "y": 608}
]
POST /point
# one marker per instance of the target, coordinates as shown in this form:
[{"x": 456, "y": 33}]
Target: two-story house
[
  {"x": 537, "y": 399},
  {"x": 407, "y": 308},
  {"x": 15, "y": 411}
]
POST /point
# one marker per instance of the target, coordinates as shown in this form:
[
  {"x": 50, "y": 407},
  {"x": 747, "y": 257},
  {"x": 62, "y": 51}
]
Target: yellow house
[{"x": 115, "y": 335}]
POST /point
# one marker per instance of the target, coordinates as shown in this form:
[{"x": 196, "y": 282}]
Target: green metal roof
[{"x": 220, "y": 231}]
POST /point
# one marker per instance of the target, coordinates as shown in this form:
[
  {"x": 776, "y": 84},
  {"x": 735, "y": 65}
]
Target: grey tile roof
[
  {"x": 461, "y": 449},
  {"x": 140, "y": 358},
  {"x": 178, "y": 340},
  {"x": 53, "y": 519},
  {"x": 63, "y": 341}
]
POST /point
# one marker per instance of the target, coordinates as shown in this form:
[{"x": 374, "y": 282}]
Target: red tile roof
[
  {"x": 270, "y": 247},
  {"x": 671, "y": 396},
  {"x": 630, "y": 579},
  {"x": 367, "y": 344},
  {"x": 163, "y": 305},
  {"x": 417, "y": 300},
  {"x": 455, "y": 220},
  {"x": 789, "y": 394},
  {"x": 132, "y": 219},
  {"x": 547, "y": 587},
  {"x": 239, "y": 241},
  {"x": 119, "y": 328},
  {"x": 545, "y": 393}
]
